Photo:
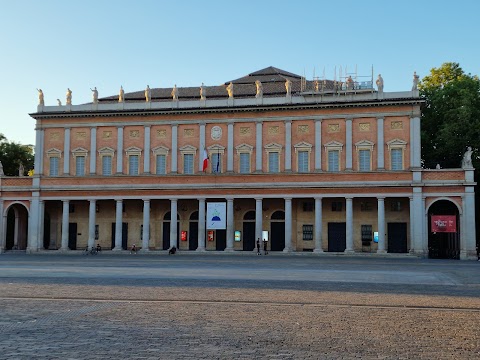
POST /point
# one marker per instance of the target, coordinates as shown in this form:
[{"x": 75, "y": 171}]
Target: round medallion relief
[{"x": 216, "y": 132}]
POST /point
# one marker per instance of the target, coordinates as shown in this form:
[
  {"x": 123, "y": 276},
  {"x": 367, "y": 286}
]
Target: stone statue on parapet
[
  {"x": 288, "y": 87},
  {"x": 1, "y": 169},
  {"x": 259, "y": 86},
  {"x": 230, "y": 90},
  {"x": 95, "y": 95},
  {"x": 59, "y": 102},
  {"x": 175, "y": 93},
  {"x": 349, "y": 83},
  {"x": 379, "y": 83},
  {"x": 121, "y": 95},
  {"x": 203, "y": 93},
  {"x": 467, "y": 158},
  {"x": 415, "y": 81},
  {"x": 21, "y": 170},
  {"x": 148, "y": 96},
  {"x": 69, "y": 97},
  {"x": 41, "y": 100}
]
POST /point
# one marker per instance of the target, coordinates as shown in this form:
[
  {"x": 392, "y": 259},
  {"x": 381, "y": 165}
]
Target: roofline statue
[
  {"x": 121, "y": 95},
  {"x": 175, "y": 93},
  {"x": 467, "y": 159},
  {"x": 415, "y": 81},
  {"x": 94, "y": 95},
  {"x": 148, "y": 95},
  {"x": 230, "y": 90},
  {"x": 69, "y": 97},
  {"x": 203, "y": 93},
  {"x": 259, "y": 86},
  {"x": 41, "y": 100}
]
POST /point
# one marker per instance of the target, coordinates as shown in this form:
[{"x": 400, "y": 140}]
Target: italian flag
[{"x": 205, "y": 160}]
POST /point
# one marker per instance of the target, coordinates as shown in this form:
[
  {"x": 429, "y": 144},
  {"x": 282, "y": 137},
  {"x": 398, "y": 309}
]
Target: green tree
[
  {"x": 13, "y": 154},
  {"x": 450, "y": 117}
]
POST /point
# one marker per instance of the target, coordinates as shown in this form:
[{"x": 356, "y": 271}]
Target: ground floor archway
[{"x": 443, "y": 244}]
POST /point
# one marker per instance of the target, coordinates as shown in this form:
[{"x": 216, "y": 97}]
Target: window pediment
[
  {"x": 160, "y": 150},
  {"x": 106, "y": 151},
  {"x": 216, "y": 148},
  {"x": 303, "y": 146},
  {"x": 273, "y": 147},
  {"x": 396, "y": 143},
  {"x": 244, "y": 148},
  {"x": 333, "y": 145},
  {"x": 133, "y": 150},
  {"x": 188, "y": 149},
  {"x": 364, "y": 144},
  {"x": 54, "y": 152},
  {"x": 79, "y": 151}
]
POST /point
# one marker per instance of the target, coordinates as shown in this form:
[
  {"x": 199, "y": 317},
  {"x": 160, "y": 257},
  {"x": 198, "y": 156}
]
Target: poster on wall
[
  {"x": 444, "y": 223},
  {"x": 216, "y": 216}
]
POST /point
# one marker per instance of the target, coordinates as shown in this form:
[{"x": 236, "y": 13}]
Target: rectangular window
[
  {"x": 365, "y": 206},
  {"x": 216, "y": 162},
  {"x": 107, "y": 165},
  {"x": 397, "y": 159},
  {"x": 161, "y": 168},
  {"x": 97, "y": 232},
  {"x": 303, "y": 161},
  {"x": 133, "y": 165},
  {"x": 367, "y": 235},
  {"x": 244, "y": 163},
  {"x": 364, "y": 160},
  {"x": 396, "y": 206},
  {"x": 333, "y": 160},
  {"x": 54, "y": 166},
  {"x": 307, "y": 232},
  {"x": 80, "y": 165},
  {"x": 188, "y": 163},
  {"x": 337, "y": 206},
  {"x": 273, "y": 162},
  {"x": 308, "y": 206}
]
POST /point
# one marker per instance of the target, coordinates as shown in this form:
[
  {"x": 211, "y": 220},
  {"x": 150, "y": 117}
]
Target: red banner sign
[
  {"x": 184, "y": 236},
  {"x": 444, "y": 223}
]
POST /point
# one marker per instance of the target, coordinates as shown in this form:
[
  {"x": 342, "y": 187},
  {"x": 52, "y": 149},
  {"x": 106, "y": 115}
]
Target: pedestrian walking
[
  {"x": 258, "y": 246},
  {"x": 265, "y": 247}
]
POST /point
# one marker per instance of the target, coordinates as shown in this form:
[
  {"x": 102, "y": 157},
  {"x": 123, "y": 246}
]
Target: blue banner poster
[{"x": 216, "y": 216}]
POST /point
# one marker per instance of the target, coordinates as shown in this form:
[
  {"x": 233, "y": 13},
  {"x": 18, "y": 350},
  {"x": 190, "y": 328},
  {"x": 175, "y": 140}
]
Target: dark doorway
[
  {"x": 193, "y": 232},
  {"x": 124, "y": 235},
  {"x": 277, "y": 231},
  {"x": 220, "y": 240},
  {"x": 166, "y": 231},
  {"x": 443, "y": 245},
  {"x": 17, "y": 228},
  {"x": 337, "y": 237},
  {"x": 397, "y": 237},
  {"x": 72, "y": 236},
  {"x": 46, "y": 231},
  {"x": 248, "y": 235}
]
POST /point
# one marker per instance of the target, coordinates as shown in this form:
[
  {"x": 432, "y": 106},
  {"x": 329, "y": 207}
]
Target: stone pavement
[{"x": 249, "y": 307}]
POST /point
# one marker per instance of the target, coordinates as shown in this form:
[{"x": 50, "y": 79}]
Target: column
[
  {"x": 42, "y": 148},
  {"x": 467, "y": 241},
  {"x": 381, "y": 225},
  {"x": 230, "y": 225},
  {"x": 230, "y": 148},
  {"x": 15, "y": 234},
  {"x": 288, "y": 225},
  {"x": 65, "y": 215},
  {"x": 421, "y": 244},
  {"x": 288, "y": 145},
  {"x": 66, "y": 152},
  {"x": 118, "y": 225},
  {"x": 201, "y": 225},
  {"x": 146, "y": 225},
  {"x": 318, "y": 145},
  {"x": 173, "y": 223},
  {"x": 318, "y": 225},
  {"x": 38, "y": 151},
  {"x": 348, "y": 146},
  {"x": 258, "y": 219},
  {"x": 258, "y": 149},
  {"x": 413, "y": 245},
  {"x": 380, "y": 145},
  {"x": 201, "y": 146},
  {"x": 174, "y": 150},
  {"x": 91, "y": 223},
  {"x": 120, "y": 150},
  {"x": 349, "y": 210},
  {"x": 146, "y": 146},
  {"x": 415, "y": 147},
  {"x": 41, "y": 224},
  {"x": 93, "y": 150},
  {"x": 2, "y": 228},
  {"x": 33, "y": 226}
]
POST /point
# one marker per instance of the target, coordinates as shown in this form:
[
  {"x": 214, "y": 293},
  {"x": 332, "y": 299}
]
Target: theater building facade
[{"x": 329, "y": 168}]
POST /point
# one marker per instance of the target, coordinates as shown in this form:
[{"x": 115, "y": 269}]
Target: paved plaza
[{"x": 219, "y": 306}]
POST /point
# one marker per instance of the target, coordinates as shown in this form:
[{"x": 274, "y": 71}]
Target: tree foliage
[
  {"x": 450, "y": 117},
  {"x": 13, "y": 154}
]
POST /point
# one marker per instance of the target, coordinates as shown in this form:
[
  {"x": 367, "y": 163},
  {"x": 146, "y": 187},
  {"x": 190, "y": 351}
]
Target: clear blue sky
[{"x": 56, "y": 44}]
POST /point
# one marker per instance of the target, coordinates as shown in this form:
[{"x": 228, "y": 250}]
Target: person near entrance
[
  {"x": 258, "y": 246},
  {"x": 265, "y": 242},
  {"x": 133, "y": 250}
]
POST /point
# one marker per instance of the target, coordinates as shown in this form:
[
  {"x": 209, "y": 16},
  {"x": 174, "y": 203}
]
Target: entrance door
[
  {"x": 248, "y": 236},
  {"x": 193, "y": 235},
  {"x": 124, "y": 235},
  {"x": 220, "y": 240},
  {"x": 46, "y": 231},
  {"x": 277, "y": 236},
  {"x": 166, "y": 235},
  {"x": 337, "y": 237},
  {"x": 397, "y": 237},
  {"x": 72, "y": 236}
]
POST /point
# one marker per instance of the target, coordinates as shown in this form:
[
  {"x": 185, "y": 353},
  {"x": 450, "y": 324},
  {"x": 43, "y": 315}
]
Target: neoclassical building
[{"x": 317, "y": 166}]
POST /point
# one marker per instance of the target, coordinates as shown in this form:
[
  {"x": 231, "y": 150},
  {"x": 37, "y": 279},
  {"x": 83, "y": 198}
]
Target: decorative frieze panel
[
  {"x": 162, "y": 133},
  {"x": 397, "y": 125},
  {"x": 134, "y": 134},
  {"x": 188, "y": 132},
  {"x": 245, "y": 131},
  {"x": 302, "y": 129},
  {"x": 364, "y": 126},
  {"x": 81, "y": 135},
  {"x": 107, "y": 135},
  {"x": 273, "y": 130},
  {"x": 333, "y": 128},
  {"x": 55, "y": 136}
]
